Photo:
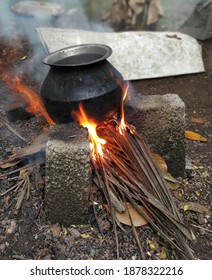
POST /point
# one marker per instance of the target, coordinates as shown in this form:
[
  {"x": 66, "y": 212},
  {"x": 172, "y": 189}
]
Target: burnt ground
[{"x": 26, "y": 234}]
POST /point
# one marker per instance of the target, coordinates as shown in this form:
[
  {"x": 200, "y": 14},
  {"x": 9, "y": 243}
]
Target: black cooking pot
[{"x": 81, "y": 74}]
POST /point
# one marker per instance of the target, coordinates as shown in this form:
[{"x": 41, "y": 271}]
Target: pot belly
[{"x": 98, "y": 108}]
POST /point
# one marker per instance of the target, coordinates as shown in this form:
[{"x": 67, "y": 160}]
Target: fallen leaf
[
  {"x": 169, "y": 178},
  {"x": 152, "y": 246},
  {"x": 161, "y": 162},
  {"x": 100, "y": 236},
  {"x": 12, "y": 228},
  {"x": 173, "y": 186},
  {"x": 198, "y": 120},
  {"x": 193, "y": 206},
  {"x": 198, "y": 166},
  {"x": 65, "y": 230},
  {"x": 137, "y": 219},
  {"x": 205, "y": 174},
  {"x": 197, "y": 193},
  {"x": 84, "y": 235},
  {"x": 163, "y": 255},
  {"x": 191, "y": 135},
  {"x": 185, "y": 207},
  {"x": 55, "y": 229}
]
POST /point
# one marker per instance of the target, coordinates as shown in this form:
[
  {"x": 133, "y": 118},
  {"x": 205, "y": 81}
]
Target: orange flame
[
  {"x": 95, "y": 141},
  {"x": 122, "y": 125},
  {"x": 35, "y": 104},
  {"x": 11, "y": 58}
]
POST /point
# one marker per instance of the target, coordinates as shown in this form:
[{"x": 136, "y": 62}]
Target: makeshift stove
[
  {"x": 110, "y": 153},
  {"x": 115, "y": 159},
  {"x": 164, "y": 114}
]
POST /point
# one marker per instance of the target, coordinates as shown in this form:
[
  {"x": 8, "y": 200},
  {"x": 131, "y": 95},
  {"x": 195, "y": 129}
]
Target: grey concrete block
[
  {"x": 68, "y": 177},
  {"x": 160, "y": 120}
]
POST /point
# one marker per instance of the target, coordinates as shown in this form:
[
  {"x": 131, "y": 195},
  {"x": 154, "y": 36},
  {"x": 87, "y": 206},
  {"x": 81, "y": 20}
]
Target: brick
[
  {"x": 160, "y": 120},
  {"x": 68, "y": 177}
]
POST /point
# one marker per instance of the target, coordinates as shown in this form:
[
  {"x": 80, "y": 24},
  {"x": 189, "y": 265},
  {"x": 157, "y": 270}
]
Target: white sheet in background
[{"x": 136, "y": 54}]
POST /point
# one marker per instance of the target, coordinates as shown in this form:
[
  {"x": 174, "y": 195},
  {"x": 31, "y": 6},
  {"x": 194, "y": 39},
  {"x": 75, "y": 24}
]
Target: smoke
[
  {"x": 73, "y": 16},
  {"x": 21, "y": 50},
  {"x": 13, "y": 24}
]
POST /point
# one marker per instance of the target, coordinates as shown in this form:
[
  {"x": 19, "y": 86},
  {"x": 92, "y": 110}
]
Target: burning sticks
[{"x": 125, "y": 169}]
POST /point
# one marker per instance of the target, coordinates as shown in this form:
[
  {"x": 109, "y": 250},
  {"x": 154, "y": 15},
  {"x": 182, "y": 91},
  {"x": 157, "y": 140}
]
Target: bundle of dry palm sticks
[{"x": 128, "y": 172}]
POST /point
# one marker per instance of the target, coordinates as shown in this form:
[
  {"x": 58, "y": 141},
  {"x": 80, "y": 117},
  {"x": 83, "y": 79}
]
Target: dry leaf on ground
[
  {"x": 193, "y": 206},
  {"x": 85, "y": 236},
  {"x": 163, "y": 255},
  {"x": 198, "y": 120},
  {"x": 12, "y": 228},
  {"x": 137, "y": 219},
  {"x": 191, "y": 135},
  {"x": 173, "y": 186},
  {"x": 161, "y": 162},
  {"x": 55, "y": 229}
]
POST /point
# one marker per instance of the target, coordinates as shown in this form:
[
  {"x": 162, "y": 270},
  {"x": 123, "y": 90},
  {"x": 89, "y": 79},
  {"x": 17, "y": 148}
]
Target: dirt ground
[{"x": 25, "y": 234}]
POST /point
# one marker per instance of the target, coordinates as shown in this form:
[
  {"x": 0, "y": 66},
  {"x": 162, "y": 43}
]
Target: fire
[
  {"x": 35, "y": 104},
  {"x": 95, "y": 141},
  {"x": 122, "y": 125},
  {"x": 10, "y": 59}
]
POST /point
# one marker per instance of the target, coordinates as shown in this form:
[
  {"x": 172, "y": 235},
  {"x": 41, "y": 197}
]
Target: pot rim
[{"x": 101, "y": 49}]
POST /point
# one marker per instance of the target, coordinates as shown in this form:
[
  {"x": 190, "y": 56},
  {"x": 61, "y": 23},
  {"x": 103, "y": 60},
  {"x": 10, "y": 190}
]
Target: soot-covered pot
[{"x": 81, "y": 74}]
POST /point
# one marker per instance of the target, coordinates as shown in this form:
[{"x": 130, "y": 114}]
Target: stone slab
[
  {"x": 68, "y": 176},
  {"x": 136, "y": 54},
  {"x": 160, "y": 120}
]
